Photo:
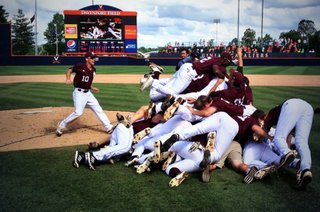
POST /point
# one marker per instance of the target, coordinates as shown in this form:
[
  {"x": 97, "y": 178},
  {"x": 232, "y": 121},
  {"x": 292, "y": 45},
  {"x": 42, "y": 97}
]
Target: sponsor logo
[
  {"x": 130, "y": 46},
  {"x": 71, "y": 44}
]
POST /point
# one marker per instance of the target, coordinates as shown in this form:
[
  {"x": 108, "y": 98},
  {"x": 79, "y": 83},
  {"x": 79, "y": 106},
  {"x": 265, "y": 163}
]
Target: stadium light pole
[
  {"x": 238, "y": 42},
  {"x": 216, "y": 21},
  {"x": 92, "y": 2},
  {"x": 56, "y": 32},
  {"x": 35, "y": 28},
  {"x": 262, "y": 24}
]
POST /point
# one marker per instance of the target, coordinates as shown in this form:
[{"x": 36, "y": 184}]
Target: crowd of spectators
[{"x": 281, "y": 47}]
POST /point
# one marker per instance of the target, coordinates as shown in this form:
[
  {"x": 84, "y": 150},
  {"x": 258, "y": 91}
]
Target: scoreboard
[{"x": 101, "y": 29}]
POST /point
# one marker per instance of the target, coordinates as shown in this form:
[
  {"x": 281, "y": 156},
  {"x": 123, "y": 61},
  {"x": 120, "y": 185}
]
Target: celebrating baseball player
[{"x": 82, "y": 95}]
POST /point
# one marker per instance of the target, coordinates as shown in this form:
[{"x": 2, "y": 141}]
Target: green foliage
[
  {"x": 249, "y": 37},
  {"x": 306, "y": 28},
  {"x": 22, "y": 35},
  {"x": 315, "y": 42},
  {"x": 3, "y": 15},
  {"x": 54, "y": 30}
]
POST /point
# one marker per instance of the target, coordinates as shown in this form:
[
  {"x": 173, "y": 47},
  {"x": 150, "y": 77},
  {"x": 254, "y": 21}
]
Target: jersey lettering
[{"x": 85, "y": 78}]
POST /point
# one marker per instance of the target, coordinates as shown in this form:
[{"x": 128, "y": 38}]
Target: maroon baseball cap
[
  {"x": 91, "y": 55},
  {"x": 238, "y": 78},
  {"x": 226, "y": 55}
]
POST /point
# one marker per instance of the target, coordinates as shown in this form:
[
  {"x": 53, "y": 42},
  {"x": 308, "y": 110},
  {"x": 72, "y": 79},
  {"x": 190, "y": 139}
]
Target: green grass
[
  {"x": 38, "y": 70},
  {"x": 44, "y": 180}
]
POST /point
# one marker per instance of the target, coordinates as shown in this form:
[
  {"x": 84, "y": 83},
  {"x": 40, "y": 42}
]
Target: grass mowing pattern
[
  {"x": 120, "y": 97},
  {"x": 45, "y": 180},
  {"x": 38, "y": 70}
]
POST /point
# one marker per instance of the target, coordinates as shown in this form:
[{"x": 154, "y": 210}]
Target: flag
[{"x": 32, "y": 19}]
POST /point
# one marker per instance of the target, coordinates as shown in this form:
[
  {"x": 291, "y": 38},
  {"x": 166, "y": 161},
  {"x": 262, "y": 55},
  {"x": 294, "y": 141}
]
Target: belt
[{"x": 83, "y": 90}]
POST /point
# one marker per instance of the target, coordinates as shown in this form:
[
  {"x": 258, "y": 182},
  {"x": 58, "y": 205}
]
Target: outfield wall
[{"x": 6, "y": 58}]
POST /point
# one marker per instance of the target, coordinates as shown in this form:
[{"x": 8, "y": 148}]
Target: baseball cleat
[
  {"x": 250, "y": 175},
  {"x": 151, "y": 111},
  {"x": 144, "y": 167},
  {"x": 262, "y": 173},
  {"x": 172, "y": 109},
  {"x": 303, "y": 178},
  {"x": 205, "y": 175},
  {"x": 133, "y": 160},
  {"x": 169, "y": 100},
  {"x": 286, "y": 159},
  {"x": 176, "y": 181},
  {"x": 91, "y": 160},
  {"x": 145, "y": 83},
  {"x": 157, "y": 151},
  {"x": 206, "y": 159},
  {"x": 138, "y": 136},
  {"x": 169, "y": 160},
  {"x": 123, "y": 120},
  {"x": 169, "y": 142},
  {"x": 211, "y": 141},
  {"x": 79, "y": 158},
  {"x": 155, "y": 68},
  {"x": 59, "y": 130}
]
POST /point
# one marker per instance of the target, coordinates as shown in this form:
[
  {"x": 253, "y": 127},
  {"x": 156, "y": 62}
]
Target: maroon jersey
[
  {"x": 199, "y": 83},
  {"x": 141, "y": 125},
  {"x": 245, "y": 128},
  {"x": 231, "y": 109},
  {"x": 272, "y": 117},
  {"x": 207, "y": 65},
  {"x": 233, "y": 95},
  {"x": 84, "y": 76},
  {"x": 248, "y": 95}
]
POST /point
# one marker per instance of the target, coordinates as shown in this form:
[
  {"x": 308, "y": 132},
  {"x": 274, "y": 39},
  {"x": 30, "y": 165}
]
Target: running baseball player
[{"x": 82, "y": 95}]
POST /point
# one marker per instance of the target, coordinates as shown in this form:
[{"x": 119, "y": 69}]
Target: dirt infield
[
  {"x": 35, "y": 128},
  {"x": 255, "y": 80}
]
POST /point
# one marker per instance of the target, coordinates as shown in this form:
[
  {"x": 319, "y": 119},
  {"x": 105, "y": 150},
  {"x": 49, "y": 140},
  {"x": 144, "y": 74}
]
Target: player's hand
[
  {"x": 68, "y": 82},
  {"x": 95, "y": 90},
  {"x": 190, "y": 100}
]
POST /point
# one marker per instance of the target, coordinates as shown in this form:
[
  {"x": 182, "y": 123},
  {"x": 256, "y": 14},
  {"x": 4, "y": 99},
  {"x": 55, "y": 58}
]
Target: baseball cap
[
  {"x": 226, "y": 55},
  {"x": 238, "y": 78},
  {"x": 90, "y": 55}
]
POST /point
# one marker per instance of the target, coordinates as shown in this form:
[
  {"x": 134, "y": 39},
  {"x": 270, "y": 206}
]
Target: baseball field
[{"x": 36, "y": 170}]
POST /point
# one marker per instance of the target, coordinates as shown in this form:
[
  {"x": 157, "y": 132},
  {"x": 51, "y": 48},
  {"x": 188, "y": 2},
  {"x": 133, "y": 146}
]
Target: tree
[
  {"x": 249, "y": 36},
  {"x": 267, "y": 39},
  {"x": 22, "y": 35},
  {"x": 50, "y": 35},
  {"x": 3, "y": 15},
  {"x": 292, "y": 34},
  {"x": 315, "y": 42},
  {"x": 306, "y": 28}
]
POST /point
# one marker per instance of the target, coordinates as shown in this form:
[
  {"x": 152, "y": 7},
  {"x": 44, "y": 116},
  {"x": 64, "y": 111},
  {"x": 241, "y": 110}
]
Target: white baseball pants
[{"x": 299, "y": 114}]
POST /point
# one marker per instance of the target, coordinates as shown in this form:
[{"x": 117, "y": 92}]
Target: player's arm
[
  {"x": 259, "y": 131},
  {"x": 214, "y": 88},
  {"x": 68, "y": 76},
  {"x": 204, "y": 112}
]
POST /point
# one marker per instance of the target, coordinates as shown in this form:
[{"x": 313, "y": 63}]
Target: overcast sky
[{"x": 163, "y": 21}]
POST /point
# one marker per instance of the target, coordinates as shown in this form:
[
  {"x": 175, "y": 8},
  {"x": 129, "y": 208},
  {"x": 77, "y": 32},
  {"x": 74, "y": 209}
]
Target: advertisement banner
[
  {"x": 130, "y": 46},
  {"x": 71, "y": 31},
  {"x": 71, "y": 45},
  {"x": 130, "y": 32}
]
